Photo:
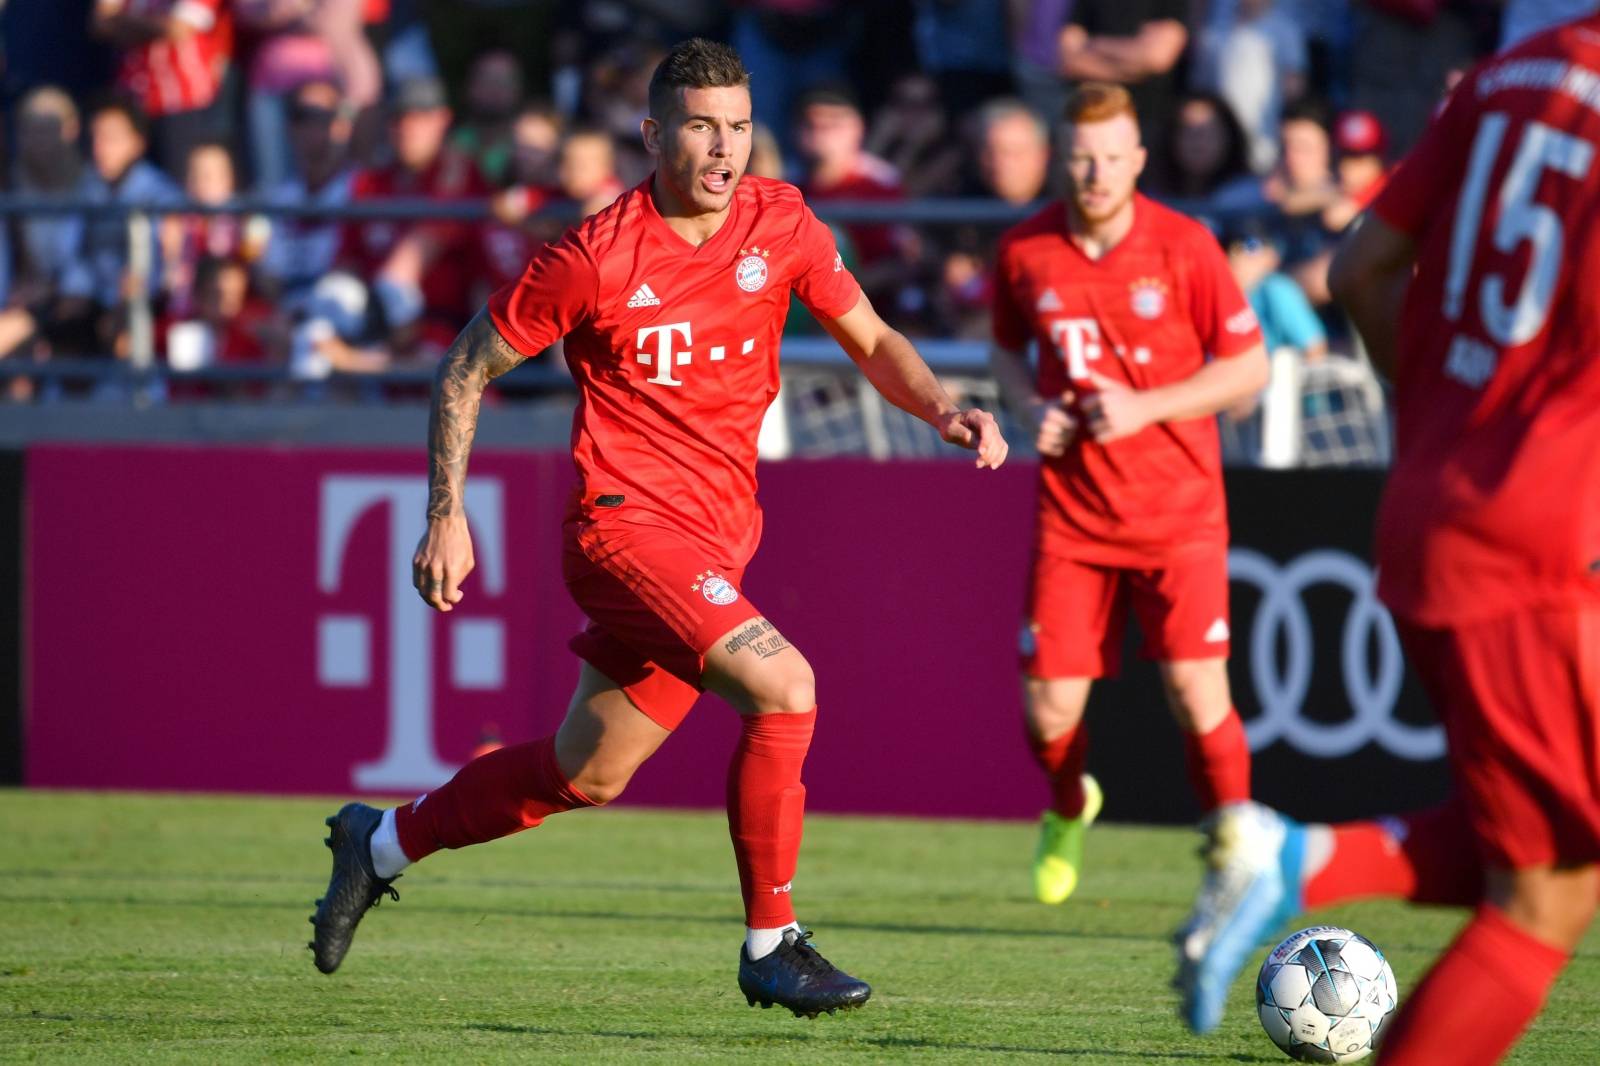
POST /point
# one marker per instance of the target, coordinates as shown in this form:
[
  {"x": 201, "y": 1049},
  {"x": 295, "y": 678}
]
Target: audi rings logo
[{"x": 1282, "y": 685}]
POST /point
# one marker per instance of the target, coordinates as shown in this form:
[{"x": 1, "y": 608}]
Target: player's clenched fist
[
  {"x": 979, "y": 431},
  {"x": 443, "y": 560},
  {"x": 1056, "y": 426},
  {"x": 1115, "y": 411}
]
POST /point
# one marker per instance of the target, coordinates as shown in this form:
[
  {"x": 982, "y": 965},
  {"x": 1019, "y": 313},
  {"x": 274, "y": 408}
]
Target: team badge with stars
[
  {"x": 715, "y": 588},
  {"x": 1148, "y": 297},
  {"x": 751, "y": 273}
]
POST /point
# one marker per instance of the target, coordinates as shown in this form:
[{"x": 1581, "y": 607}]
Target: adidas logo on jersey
[
  {"x": 643, "y": 297},
  {"x": 1048, "y": 301},
  {"x": 1218, "y": 632}
]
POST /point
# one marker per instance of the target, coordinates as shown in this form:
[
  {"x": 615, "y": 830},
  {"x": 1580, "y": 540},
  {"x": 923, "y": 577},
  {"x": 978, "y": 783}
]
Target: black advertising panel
[{"x": 1338, "y": 725}]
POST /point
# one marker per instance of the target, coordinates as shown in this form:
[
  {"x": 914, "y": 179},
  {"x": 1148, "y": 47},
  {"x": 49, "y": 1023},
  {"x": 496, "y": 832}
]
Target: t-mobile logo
[
  {"x": 344, "y": 642},
  {"x": 657, "y": 347},
  {"x": 1078, "y": 341}
]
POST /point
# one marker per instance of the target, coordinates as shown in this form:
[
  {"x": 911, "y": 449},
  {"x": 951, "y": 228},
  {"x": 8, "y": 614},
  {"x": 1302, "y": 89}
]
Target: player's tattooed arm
[
  {"x": 479, "y": 355},
  {"x": 760, "y": 636}
]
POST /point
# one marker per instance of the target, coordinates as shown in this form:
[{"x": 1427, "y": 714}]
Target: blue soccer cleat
[
  {"x": 798, "y": 977},
  {"x": 1252, "y": 887}
]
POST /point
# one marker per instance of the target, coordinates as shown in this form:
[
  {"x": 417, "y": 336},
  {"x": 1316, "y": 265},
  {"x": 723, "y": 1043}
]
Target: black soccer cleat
[
  {"x": 353, "y": 888},
  {"x": 796, "y": 976}
]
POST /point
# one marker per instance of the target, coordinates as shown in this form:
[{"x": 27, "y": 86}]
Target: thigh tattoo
[{"x": 760, "y": 636}]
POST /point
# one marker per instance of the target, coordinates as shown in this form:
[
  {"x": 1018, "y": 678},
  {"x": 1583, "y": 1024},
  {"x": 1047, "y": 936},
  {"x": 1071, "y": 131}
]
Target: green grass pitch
[{"x": 173, "y": 929}]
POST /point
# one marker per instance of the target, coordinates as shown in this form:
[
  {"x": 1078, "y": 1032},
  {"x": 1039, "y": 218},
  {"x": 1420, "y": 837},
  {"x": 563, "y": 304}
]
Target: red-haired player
[
  {"x": 671, "y": 301},
  {"x": 1143, "y": 336}
]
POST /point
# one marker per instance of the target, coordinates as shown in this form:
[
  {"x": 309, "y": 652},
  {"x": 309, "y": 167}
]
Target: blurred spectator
[
  {"x": 766, "y": 158},
  {"x": 587, "y": 170},
  {"x": 1303, "y": 182},
  {"x": 1013, "y": 152},
  {"x": 301, "y": 250},
  {"x": 1253, "y": 54},
  {"x": 1361, "y": 143},
  {"x": 790, "y": 46},
  {"x": 535, "y": 161},
  {"x": 831, "y": 137},
  {"x": 962, "y": 45},
  {"x": 1209, "y": 164},
  {"x": 423, "y": 274},
  {"x": 98, "y": 279},
  {"x": 188, "y": 239},
  {"x": 228, "y": 324},
  {"x": 911, "y": 132},
  {"x": 175, "y": 55},
  {"x": 1286, "y": 316},
  {"x": 493, "y": 97},
  {"x": 1136, "y": 43},
  {"x": 301, "y": 41},
  {"x": 48, "y": 165}
]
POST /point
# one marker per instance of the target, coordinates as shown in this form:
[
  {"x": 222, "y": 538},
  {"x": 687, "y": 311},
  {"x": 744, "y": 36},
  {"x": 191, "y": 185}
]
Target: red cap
[{"x": 1360, "y": 133}]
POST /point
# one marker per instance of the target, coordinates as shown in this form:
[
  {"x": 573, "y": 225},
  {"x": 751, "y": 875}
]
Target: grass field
[{"x": 173, "y": 929}]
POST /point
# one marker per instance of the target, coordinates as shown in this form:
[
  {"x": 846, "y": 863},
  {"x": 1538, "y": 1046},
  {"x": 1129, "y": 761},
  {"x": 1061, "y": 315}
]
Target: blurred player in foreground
[
  {"x": 1143, "y": 336},
  {"x": 671, "y": 301},
  {"x": 1488, "y": 545}
]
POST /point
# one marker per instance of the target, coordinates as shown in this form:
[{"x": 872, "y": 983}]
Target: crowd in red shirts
[{"x": 533, "y": 110}]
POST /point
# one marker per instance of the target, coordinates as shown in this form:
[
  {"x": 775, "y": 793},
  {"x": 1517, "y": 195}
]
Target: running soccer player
[
  {"x": 671, "y": 301},
  {"x": 1143, "y": 335},
  {"x": 1470, "y": 281}
]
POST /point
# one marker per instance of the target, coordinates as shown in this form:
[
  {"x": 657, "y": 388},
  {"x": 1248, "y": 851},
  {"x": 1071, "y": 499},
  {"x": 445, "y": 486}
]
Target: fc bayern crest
[
  {"x": 751, "y": 273},
  {"x": 1149, "y": 297},
  {"x": 719, "y": 591}
]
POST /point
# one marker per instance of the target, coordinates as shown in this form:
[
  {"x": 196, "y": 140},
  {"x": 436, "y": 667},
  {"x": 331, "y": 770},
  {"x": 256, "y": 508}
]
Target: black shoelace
[{"x": 807, "y": 958}]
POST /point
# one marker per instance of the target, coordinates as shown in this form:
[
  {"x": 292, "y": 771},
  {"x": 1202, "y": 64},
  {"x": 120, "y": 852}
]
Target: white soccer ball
[{"x": 1325, "y": 995}]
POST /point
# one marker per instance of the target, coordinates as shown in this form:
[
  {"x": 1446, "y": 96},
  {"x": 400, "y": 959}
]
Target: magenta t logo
[{"x": 344, "y": 642}]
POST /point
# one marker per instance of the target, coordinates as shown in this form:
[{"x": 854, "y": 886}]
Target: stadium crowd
[{"x": 1276, "y": 120}]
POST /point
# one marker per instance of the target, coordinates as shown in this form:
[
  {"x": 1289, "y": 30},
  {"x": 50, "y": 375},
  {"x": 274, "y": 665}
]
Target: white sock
[
  {"x": 387, "y": 858},
  {"x": 762, "y": 942}
]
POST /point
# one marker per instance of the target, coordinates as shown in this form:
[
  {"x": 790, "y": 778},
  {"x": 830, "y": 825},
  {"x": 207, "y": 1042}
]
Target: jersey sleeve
[
  {"x": 1418, "y": 186},
  {"x": 824, "y": 285},
  {"x": 1222, "y": 317},
  {"x": 555, "y": 294},
  {"x": 1009, "y": 326}
]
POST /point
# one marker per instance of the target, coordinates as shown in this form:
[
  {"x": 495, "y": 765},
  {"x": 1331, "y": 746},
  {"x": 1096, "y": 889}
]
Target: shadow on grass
[
  {"x": 480, "y": 912},
  {"x": 907, "y": 1043}
]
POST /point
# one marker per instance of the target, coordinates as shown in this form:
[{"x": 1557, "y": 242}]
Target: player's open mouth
[{"x": 719, "y": 180}]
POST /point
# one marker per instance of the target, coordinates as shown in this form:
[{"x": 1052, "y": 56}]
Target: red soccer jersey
[
  {"x": 1493, "y": 504},
  {"x": 1149, "y": 312},
  {"x": 170, "y": 76},
  {"x": 675, "y": 351}
]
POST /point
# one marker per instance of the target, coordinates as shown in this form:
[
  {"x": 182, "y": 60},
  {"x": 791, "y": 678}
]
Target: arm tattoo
[
  {"x": 478, "y": 355},
  {"x": 760, "y": 636}
]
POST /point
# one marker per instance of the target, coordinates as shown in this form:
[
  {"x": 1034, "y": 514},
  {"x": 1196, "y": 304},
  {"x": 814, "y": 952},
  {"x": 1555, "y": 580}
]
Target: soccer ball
[{"x": 1325, "y": 994}]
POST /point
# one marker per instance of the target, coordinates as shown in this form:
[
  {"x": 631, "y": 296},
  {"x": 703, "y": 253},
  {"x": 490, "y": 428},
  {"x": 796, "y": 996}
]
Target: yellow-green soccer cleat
[{"x": 1059, "y": 858}]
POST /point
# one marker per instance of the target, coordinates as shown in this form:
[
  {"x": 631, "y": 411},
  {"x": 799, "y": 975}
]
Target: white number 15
[{"x": 1521, "y": 218}]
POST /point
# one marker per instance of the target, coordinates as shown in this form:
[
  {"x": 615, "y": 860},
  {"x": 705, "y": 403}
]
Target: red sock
[
  {"x": 1219, "y": 763},
  {"x": 766, "y": 812},
  {"x": 1478, "y": 998},
  {"x": 494, "y": 795},
  {"x": 1063, "y": 759},
  {"x": 1426, "y": 857}
]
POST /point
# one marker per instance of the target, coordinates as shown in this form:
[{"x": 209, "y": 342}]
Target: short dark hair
[
  {"x": 694, "y": 64},
  {"x": 127, "y": 107}
]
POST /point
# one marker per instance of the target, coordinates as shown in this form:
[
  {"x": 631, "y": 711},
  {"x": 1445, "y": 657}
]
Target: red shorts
[
  {"x": 1078, "y": 611},
  {"x": 1519, "y": 697},
  {"x": 655, "y": 604}
]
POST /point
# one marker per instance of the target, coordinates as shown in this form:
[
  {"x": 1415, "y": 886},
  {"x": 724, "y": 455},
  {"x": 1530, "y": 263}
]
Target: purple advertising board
[{"x": 242, "y": 619}]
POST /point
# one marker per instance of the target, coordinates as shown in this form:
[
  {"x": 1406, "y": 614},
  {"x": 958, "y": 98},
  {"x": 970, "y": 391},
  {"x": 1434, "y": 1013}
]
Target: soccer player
[
  {"x": 1143, "y": 336},
  {"x": 1470, "y": 281},
  {"x": 671, "y": 301}
]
